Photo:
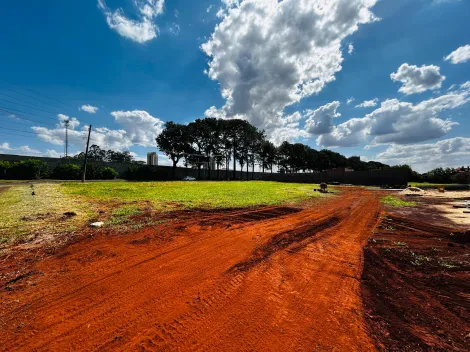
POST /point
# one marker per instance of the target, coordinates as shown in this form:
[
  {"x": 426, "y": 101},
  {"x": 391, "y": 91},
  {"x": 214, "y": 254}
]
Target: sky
[{"x": 387, "y": 80}]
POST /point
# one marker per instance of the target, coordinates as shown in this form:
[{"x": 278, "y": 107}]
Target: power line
[
  {"x": 16, "y": 116},
  {"x": 40, "y": 94},
  {"x": 17, "y": 134},
  {"x": 40, "y": 100},
  {"x": 12, "y": 129},
  {"x": 28, "y": 106},
  {"x": 24, "y": 112}
]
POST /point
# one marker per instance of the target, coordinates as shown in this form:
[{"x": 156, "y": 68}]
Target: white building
[{"x": 152, "y": 159}]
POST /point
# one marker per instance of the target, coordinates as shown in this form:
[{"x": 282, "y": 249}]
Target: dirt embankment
[
  {"x": 416, "y": 283},
  {"x": 275, "y": 279}
]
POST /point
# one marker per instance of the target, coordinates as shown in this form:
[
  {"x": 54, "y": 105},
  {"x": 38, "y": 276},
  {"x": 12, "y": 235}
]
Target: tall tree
[{"x": 173, "y": 141}]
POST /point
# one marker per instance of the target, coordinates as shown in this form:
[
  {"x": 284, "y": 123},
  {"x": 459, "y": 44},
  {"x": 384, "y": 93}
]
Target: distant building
[{"x": 152, "y": 159}]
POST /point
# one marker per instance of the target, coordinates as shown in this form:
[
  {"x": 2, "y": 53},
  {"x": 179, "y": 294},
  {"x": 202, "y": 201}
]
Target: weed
[
  {"x": 396, "y": 202},
  {"x": 419, "y": 259},
  {"x": 401, "y": 244}
]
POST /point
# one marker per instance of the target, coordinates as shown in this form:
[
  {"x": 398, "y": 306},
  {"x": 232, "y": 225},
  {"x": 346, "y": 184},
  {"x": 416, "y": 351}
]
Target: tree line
[{"x": 210, "y": 140}]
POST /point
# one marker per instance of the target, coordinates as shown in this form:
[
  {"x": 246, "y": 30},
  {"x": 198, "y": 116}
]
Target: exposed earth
[{"x": 279, "y": 278}]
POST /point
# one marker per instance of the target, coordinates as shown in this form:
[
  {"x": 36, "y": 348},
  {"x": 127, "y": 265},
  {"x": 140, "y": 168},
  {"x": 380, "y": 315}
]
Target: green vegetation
[
  {"x": 170, "y": 195},
  {"x": 24, "y": 216},
  {"x": 447, "y": 186},
  {"x": 397, "y": 202}
]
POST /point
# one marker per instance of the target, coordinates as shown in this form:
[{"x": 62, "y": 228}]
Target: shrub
[
  {"x": 28, "y": 170},
  {"x": 108, "y": 173},
  {"x": 4, "y": 168},
  {"x": 462, "y": 178},
  {"x": 67, "y": 171}
]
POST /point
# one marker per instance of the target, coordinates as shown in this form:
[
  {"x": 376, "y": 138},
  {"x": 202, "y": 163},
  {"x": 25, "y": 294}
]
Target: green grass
[
  {"x": 397, "y": 202},
  {"x": 174, "y": 195},
  {"x": 24, "y": 216},
  {"x": 447, "y": 186}
]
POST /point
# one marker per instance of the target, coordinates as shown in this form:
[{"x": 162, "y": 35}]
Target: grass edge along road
[{"x": 24, "y": 216}]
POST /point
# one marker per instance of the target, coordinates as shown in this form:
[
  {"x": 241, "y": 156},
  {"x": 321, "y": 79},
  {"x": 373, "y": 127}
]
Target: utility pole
[
  {"x": 66, "y": 137},
  {"x": 86, "y": 154}
]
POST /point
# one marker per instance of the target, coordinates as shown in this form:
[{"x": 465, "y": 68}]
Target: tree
[
  {"x": 173, "y": 141},
  {"x": 266, "y": 155}
]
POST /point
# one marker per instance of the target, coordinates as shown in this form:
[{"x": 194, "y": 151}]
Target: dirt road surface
[{"x": 272, "y": 279}]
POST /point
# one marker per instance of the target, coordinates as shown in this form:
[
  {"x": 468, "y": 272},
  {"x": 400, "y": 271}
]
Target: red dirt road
[{"x": 275, "y": 279}]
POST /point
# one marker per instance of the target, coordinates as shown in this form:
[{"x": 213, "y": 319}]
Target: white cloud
[
  {"x": 209, "y": 8},
  {"x": 399, "y": 122},
  {"x": 26, "y": 150},
  {"x": 138, "y": 128},
  {"x": 73, "y": 122},
  {"x": 350, "y": 49},
  {"x": 139, "y": 31},
  {"x": 268, "y": 55},
  {"x": 89, "y": 109},
  {"x": 141, "y": 127},
  {"x": 460, "y": 55},
  {"x": 350, "y": 100},
  {"x": 424, "y": 157},
  {"x": 368, "y": 103},
  {"x": 418, "y": 79},
  {"x": 320, "y": 121},
  {"x": 175, "y": 29}
]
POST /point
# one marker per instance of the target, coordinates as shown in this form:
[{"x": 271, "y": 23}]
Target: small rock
[{"x": 97, "y": 224}]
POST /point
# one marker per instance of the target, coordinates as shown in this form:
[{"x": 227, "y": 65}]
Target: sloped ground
[{"x": 271, "y": 279}]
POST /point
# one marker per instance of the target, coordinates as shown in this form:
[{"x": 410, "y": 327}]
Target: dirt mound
[{"x": 412, "y": 191}]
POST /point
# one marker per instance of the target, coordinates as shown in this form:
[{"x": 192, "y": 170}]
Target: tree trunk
[
  {"x": 247, "y": 172},
  {"x": 234, "y": 165},
  {"x": 253, "y": 171},
  {"x": 218, "y": 172},
  {"x": 173, "y": 171}
]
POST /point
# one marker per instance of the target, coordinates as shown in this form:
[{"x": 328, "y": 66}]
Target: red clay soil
[
  {"x": 416, "y": 284},
  {"x": 272, "y": 279}
]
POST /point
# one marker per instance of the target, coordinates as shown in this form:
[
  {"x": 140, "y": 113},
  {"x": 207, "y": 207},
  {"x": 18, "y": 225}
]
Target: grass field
[
  {"x": 193, "y": 194},
  {"x": 24, "y": 215}
]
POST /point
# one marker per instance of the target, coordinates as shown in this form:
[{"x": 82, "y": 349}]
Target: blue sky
[{"x": 288, "y": 67}]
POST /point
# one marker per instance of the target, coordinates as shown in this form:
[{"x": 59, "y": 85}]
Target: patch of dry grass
[{"x": 25, "y": 216}]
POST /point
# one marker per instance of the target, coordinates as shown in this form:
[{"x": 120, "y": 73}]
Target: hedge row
[{"x": 33, "y": 169}]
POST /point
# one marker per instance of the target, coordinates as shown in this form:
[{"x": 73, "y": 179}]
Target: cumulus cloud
[
  {"x": 350, "y": 49},
  {"x": 139, "y": 31},
  {"x": 320, "y": 121},
  {"x": 368, "y": 103},
  {"x": 424, "y": 157},
  {"x": 26, "y": 150},
  {"x": 399, "y": 122},
  {"x": 460, "y": 55},
  {"x": 269, "y": 54},
  {"x": 89, "y": 109},
  {"x": 350, "y": 100},
  {"x": 418, "y": 79},
  {"x": 138, "y": 128}
]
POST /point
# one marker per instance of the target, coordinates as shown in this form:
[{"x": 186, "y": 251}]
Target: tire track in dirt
[{"x": 301, "y": 293}]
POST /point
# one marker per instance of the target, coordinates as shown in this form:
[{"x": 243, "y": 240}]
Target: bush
[
  {"x": 28, "y": 170},
  {"x": 67, "y": 171},
  {"x": 109, "y": 173},
  {"x": 462, "y": 178},
  {"x": 4, "y": 167}
]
